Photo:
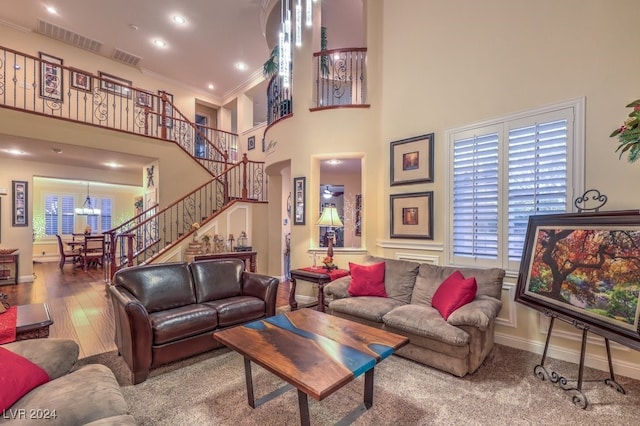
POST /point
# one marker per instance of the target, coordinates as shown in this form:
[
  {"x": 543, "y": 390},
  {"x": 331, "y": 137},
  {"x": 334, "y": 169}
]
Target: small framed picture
[
  {"x": 51, "y": 81},
  {"x": 20, "y": 197},
  {"x": 412, "y": 160},
  {"x": 81, "y": 80},
  {"x": 251, "y": 143},
  {"x": 166, "y": 117},
  {"x": 116, "y": 85},
  {"x": 299, "y": 194},
  {"x": 412, "y": 215},
  {"x": 144, "y": 99}
]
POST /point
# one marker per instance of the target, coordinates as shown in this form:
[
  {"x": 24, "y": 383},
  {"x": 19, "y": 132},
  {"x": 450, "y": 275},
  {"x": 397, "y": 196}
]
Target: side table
[
  {"x": 316, "y": 275},
  {"x": 33, "y": 321}
]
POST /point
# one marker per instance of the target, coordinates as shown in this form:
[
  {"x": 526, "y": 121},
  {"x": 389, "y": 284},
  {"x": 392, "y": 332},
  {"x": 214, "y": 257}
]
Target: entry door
[{"x": 201, "y": 144}]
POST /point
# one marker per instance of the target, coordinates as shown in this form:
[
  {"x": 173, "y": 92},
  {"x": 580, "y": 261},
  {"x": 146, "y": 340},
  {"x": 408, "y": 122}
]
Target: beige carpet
[{"x": 210, "y": 390}]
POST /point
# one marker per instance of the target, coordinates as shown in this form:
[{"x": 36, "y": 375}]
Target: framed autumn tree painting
[{"x": 585, "y": 268}]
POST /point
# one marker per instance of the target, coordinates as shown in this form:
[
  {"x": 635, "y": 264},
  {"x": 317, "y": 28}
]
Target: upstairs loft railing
[
  {"x": 340, "y": 78},
  {"x": 279, "y": 100},
  {"x": 46, "y": 87},
  {"x": 141, "y": 239}
]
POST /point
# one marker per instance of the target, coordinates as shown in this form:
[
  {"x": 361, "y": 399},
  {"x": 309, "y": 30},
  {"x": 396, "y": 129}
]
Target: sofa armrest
[
  {"x": 56, "y": 356},
  {"x": 480, "y": 313},
  {"x": 263, "y": 287},
  {"x": 134, "y": 337},
  {"x": 338, "y": 289}
]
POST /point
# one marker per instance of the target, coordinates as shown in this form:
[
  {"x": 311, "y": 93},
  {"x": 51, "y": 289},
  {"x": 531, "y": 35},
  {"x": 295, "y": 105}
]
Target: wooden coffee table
[
  {"x": 32, "y": 321},
  {"x": 314, "y": 352}
]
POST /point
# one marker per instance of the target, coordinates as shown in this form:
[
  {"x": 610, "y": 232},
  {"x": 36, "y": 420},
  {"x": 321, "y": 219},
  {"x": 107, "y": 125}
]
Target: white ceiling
[{"x": 216, "y": 36}]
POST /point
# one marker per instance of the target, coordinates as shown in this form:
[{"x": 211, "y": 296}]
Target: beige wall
[{"x": 450, "y": 63}]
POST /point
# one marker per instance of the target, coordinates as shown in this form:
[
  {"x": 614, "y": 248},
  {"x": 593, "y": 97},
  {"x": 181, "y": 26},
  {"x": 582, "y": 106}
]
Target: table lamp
[{"x": 330, "y": 219}]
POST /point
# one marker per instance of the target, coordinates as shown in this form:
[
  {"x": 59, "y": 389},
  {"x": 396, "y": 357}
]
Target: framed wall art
[
  {"x": 144, "y": 99},
  {"x": 299, "y": 188},
  {"x": 251, "y": 143},
  {"x": 166, "y": 117},
  {"x": 51, "y": 79},
  {"x": 412, "y": 215},
  {"x": 412, "y": 160},
  {"x": 585, "y": 268},
  {"x": 116, "y": 85},
  {"x": 20, "y": 197},
  {"x": 81, "y": 80}
]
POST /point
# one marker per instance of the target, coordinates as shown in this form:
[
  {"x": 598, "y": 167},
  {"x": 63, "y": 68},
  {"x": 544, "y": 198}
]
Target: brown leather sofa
[{"x": 169, "y": 311}]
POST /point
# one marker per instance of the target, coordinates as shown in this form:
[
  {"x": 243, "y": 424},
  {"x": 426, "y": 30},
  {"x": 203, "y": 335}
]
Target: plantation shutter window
[
  {"x": 505, "y": 170},
  {"x": 475, "y": 196}
]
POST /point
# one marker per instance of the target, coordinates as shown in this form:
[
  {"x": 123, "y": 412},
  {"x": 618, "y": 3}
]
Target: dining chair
[
  {"x": 65, "y": 254},
  {"x": 92, "y": 251}
]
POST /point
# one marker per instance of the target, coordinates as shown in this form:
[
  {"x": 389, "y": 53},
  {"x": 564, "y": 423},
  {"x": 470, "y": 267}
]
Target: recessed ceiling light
[
  {"x": 133, "y": 26},
  {"x": 211, "y": 86},
  {"x": 179, "y": 19},
  {"x": 160, "y": 43},
  {"x": 112, "y": 164},
  {"x": 52, "y": 10},
  {"x": 241, "y": 66},
  {"x": 14, "y": 152},
  {"x": 334, "y": 162}
]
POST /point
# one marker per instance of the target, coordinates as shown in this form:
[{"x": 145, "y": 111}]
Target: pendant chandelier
[
  {"x": 87, "y": 208},
  {"x": 285, "y": 38}
]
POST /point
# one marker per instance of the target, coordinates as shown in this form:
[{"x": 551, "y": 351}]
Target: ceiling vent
[
  {"x": 125, "y": 57},
  {"x": 59, "y": 33}
]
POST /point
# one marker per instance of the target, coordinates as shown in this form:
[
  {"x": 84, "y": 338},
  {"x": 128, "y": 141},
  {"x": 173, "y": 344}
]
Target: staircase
[{"x": 141, "y": 239}]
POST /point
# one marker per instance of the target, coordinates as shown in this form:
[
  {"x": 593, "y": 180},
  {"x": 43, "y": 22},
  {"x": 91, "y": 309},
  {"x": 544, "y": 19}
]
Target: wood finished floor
[{"x": 79, "y": 305}]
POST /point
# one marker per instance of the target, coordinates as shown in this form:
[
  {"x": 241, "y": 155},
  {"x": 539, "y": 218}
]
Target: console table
[
  {"x": 250, "y": 258},
  {"x": 9, "y": 268},
  {"x": 317, "y": 275}
]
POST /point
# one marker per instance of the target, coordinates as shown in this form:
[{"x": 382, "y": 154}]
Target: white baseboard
[{"x": 599, "y": 362}]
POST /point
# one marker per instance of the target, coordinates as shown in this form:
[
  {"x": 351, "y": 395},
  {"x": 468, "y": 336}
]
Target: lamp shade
[{"x": 330, "y": 218}]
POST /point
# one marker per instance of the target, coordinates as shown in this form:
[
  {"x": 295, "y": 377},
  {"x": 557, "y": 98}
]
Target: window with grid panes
[
  {"x": 58, "y": 215},
  {"x": 505, "y": 171}
]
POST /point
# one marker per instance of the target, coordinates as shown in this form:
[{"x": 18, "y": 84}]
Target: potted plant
[{"x": 629, "y": 133}]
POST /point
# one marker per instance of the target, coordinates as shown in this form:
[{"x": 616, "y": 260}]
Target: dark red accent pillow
[
  {"x": 367, "y": 280},
  {"x": 454, "y": 292},
  {"x": 18, "y": 376}
]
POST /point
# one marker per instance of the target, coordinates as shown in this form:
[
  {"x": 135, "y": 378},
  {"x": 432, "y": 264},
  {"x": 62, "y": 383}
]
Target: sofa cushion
[
  {"x": 216, "y": 279},
  {"x": 87, "y": 394},
  {"x": 18, "y": 376},
  {"x": 239, "y": 309},
  {"x": 55, "y": 356},
  {"x": 454, "y": 292},
  {"x": 368, "y": 307},
  {"x": 425, "y": 321},
  {"x": 367, "y": 280},
  {"x": 179, "y": 323},
  {"x": 399, "y": 277},
  {"x": 489, "y": 281},
  {"x": 158, "y": 286}
]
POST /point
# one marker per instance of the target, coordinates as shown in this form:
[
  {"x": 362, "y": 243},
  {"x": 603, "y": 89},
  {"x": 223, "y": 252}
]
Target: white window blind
[
  {"x": 51, "y": 214},
  {"x": 475, "y": 196},
  {"x": 58, "y": 214},
  {"x": 537, "y": 177},
  {"x": 105, "y": 214},
  {"x": 504, "y": 171}
]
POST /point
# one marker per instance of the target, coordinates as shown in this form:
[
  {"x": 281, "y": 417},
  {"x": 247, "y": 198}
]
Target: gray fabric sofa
[
  {"x": 458, "y": 345},
  {"x": 87, "y": 395}
]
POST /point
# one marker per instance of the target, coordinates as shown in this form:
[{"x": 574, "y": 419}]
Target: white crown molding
[
  {"x": 254, "y": 79},
  {"x": 15, "y": 26}
]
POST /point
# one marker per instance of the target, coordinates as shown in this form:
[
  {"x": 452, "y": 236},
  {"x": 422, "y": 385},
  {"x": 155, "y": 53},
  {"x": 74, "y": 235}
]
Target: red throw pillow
[
  {"x": 18, "y": 376},
  {"x": 367, "y": 280},
  {"x": 454, "y": 292}
]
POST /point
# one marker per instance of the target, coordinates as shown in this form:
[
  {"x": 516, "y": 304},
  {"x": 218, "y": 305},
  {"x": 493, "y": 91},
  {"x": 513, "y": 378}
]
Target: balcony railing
[
  {"x": 279, "y": 101},
  {"x": 46, "y": 87},
  {"x": 340, "y": 78}
]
